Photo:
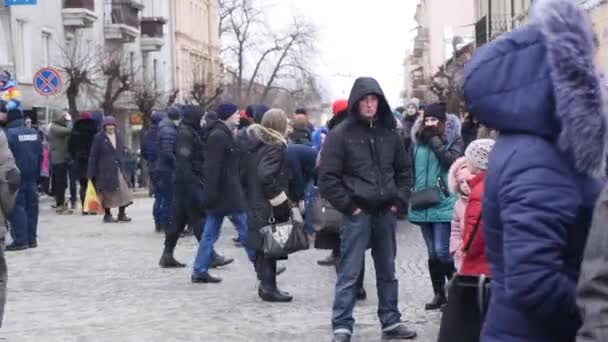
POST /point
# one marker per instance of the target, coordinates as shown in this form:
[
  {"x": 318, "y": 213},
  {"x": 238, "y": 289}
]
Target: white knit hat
[{"x": 478, "y": 152}]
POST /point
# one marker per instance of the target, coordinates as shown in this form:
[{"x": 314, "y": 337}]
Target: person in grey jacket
[
  {"x": 592, "y": 296},
  {"x": 9, "y": 185}
]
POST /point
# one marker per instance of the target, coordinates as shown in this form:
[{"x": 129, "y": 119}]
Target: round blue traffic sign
[{"x": 47, "y": 82}]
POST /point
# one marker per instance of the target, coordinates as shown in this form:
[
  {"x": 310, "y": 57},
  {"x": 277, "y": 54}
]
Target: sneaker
[
  {"x": 398, "y": 332},
  {"x": 341, "y": 337}
]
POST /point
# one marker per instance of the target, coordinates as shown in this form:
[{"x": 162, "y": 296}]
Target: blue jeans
[
  {"x": 310, "y": 195},
  {"x": 437, "y": 239},
  {"x": 356, "y": 234},
  {"x": 163, "y": 198},
  {"x": 24, "y": 216},
  {"x": 212, "y": 233}
]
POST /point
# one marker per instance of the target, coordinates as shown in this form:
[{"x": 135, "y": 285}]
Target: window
[
  {"x": 46, "y": 48},
  {"x": 23, "y": 52},
  {"x": 132, "y": 64},
  {"x": 155, "y": 73}
]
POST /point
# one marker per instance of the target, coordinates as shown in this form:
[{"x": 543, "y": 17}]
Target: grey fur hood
[
  {"x": 261, "y": 134},
  {"x": 452, "y": 128},
  {"x": 541, "y": 80}
]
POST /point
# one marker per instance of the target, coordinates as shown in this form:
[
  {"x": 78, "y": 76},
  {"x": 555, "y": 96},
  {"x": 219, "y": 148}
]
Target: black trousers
[
  {"x": 182, "y": 215},
  {"x": 83, "y": 189},
  {"x": 60, "y": 182}
]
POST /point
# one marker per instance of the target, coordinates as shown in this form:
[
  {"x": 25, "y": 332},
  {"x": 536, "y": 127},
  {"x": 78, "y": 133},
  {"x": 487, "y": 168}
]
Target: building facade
[
  {"x": 197, "y": 46},
  {"x": 444, "y": 26}
]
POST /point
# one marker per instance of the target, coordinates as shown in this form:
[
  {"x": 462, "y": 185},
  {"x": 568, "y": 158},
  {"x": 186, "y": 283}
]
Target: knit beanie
[
  {"x": 86, "y": 116},
  {"x": 14, "y": 114},
  {"x": 339, "y": 106},
  {"x": 174, "y": 113},
  {"x": 478, "y": 151},
  {"x": 226, "y": 110},
  {"x": 436, "y": 110},
  {"x": 109, "y": 121}
]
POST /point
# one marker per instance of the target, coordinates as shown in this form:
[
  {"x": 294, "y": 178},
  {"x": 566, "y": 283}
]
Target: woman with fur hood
[
  {"x": 436, "y": 145},
  {"x": 458, "y": 178},
  {"x": 545, "y": 171},
  {"x": 265, "y": 183}
]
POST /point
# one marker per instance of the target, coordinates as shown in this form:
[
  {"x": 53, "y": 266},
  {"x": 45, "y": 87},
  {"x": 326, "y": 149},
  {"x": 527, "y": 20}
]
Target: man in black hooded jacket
[
  {"x": 187, "y": 206},
  {"x": 366, "y": 174}
]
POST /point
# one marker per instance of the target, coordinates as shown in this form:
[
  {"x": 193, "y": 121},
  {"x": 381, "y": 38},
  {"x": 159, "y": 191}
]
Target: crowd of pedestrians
[{"x": 505, "y": 192}]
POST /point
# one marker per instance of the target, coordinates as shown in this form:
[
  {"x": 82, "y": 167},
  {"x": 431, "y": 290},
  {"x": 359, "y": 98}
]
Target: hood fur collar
[
  {"x": 452, "y": 128},
  {"x": 265, "y": 135},
  {"x": 580, "y": 96}
]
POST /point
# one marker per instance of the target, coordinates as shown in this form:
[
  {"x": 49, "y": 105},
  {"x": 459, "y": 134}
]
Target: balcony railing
[
  {"x": 86, "y": 4},
  {"x": 123, "y": 12},
  {"x": 152, "y": 27}
]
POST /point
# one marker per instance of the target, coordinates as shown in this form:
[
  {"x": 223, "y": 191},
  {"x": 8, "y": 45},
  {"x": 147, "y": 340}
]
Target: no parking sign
[{"x": 47, "y": 82}]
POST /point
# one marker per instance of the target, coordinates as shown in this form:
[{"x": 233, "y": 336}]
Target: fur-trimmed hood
[
  {"x": 452, "y": 128},
  {"x": 457, "y": 170},
  {"x": 262, "y": 135},
  {"x": 541, "y": 80}
]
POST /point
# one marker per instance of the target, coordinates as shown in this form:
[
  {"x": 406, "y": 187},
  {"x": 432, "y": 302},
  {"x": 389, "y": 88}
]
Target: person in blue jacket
[
  {"x": 26, "y": 146},
  {"x": 149, "y": 151},
  {"x": 538, "y": 86}
]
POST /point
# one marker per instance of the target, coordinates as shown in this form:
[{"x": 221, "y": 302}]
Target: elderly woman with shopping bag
[{"x": 106, "y": 172}]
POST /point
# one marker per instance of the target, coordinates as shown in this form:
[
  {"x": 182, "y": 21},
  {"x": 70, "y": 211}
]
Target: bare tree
[
  {"x": 80, "y": 68},
  {"x": 146, "y": 99},
  {"x": 117, "y": 78},
  {"x": 199, "y": 94},
  {"x": 247, "y": 41},
  {"x": 172, "y": 98}
]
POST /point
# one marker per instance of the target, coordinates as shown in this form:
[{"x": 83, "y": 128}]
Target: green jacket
[
  {"x": 59, "y": 135},
  {"x": 433, "y": 161}
]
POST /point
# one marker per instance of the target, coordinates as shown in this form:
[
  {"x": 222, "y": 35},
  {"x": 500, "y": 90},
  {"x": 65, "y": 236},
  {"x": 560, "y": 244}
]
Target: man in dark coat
[
  {"x": 79, "y": 147},
  {"x": 545, "y": 172},
  {"x": 223, "y": 191},
  {"x": 366, "y": 174},
  {"x": 149, "y": 151},
  {"x": 187, "y": 205},
  {"x": 26, "y": 147}
]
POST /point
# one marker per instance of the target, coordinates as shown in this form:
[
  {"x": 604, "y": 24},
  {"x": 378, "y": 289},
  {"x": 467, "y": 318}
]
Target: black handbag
[
  {"x": 325, "y": 217},
  {"x": 282, "y": 239},
  {"x": 424, "y": 199},
  {"x": 468, "y": 298}
]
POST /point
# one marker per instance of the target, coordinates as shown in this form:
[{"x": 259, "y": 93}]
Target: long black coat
[
  {"x": 106, "y": 163},
  {"x": 80, "y": 143},
  {"x": 221, "y": 174},
  {"x": 266, "y": 177}
]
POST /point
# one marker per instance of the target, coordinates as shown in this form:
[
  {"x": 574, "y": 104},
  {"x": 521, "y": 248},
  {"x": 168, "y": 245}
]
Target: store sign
[
  {"x": 136, "y": 118},
  {"x": 19, "y": 2}
]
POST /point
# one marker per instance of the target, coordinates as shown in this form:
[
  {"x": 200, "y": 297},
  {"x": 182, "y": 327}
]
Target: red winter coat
[{"x": 474, "y": 261}]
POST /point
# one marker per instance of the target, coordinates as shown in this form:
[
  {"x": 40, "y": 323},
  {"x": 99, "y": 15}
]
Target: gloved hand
[
  {"x": 282, "y": 212},
  {"x": 427, "y": 133}
]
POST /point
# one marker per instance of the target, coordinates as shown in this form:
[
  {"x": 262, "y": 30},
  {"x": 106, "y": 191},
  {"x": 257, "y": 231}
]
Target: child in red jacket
[{"x": 474, "y": 261}]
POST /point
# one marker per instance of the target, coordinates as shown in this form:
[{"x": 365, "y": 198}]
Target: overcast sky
[{"x": 358, "y": 38}]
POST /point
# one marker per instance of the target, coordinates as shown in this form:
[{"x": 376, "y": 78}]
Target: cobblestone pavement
[{"x": 93, "y": 282}]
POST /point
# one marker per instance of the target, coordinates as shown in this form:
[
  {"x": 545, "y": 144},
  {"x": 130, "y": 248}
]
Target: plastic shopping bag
[{"x": 91, "y": 202}]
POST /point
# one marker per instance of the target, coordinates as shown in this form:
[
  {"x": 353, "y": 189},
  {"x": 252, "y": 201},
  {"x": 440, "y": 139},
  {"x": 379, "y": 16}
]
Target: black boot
[
  {"x": 168, "y": 261},
  {"x": 438, "y": 281},
  {"x": 158, "y": 227},
  {"x": 268, "y": 290},
  {"x": 220, "y": 261}
]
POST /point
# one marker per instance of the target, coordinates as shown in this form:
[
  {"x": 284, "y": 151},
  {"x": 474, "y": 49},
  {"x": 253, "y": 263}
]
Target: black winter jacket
[
  {"x": 80, "y": 143},
  {"x": 363, "y": 163},
  {"x": 221, "y": 174},
  {"x": 167, "y": 135},
  {"x": 189, "y": 153},
  {"x": 266, "y": 178}
]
